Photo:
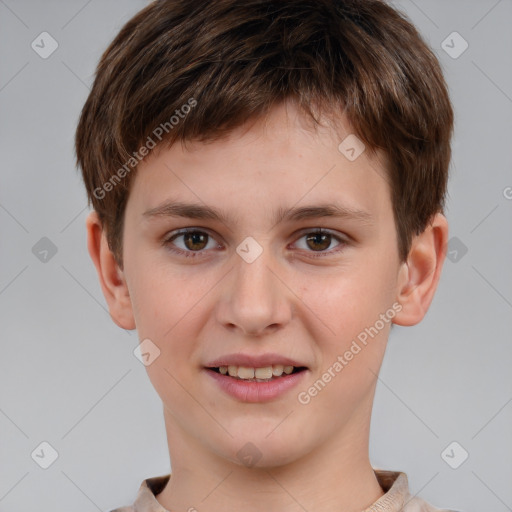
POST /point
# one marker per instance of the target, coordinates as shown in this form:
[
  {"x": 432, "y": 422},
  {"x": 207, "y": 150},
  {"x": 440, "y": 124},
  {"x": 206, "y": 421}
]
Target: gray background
[{"x": 68, "y": 375}]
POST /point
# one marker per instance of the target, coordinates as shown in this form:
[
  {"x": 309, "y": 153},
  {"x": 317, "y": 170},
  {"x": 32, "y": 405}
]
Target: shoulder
[
  {"x": 146, "y": 497},
  {"x": 420, "y": 505},
  {"x": 397, "y": 495}
]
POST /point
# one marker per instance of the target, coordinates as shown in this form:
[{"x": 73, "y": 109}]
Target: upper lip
[{"x": 253, "y": 361}]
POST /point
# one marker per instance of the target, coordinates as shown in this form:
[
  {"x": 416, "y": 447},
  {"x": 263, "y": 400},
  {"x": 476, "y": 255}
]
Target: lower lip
[{"x": 247, "y": 391}]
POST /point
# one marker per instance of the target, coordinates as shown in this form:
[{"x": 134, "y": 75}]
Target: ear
[
  {"x": 419, "y": 275},
  {"x": 112, "y": 280}
]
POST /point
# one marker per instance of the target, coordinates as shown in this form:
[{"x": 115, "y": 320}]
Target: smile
[
  {"x": 263, "y": 374},
  {"x": 262, "y": 384}
]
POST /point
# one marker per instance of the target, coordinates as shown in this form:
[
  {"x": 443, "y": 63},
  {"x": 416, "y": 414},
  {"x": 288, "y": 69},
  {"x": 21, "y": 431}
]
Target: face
[{"x": 260, "y": 286}]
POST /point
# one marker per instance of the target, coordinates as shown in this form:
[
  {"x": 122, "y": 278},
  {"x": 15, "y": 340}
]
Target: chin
[{"x": 260, "y": 450}]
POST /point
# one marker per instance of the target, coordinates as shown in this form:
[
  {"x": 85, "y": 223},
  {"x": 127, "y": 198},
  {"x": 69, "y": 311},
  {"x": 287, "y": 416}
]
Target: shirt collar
[{"x": 393, "y": 483}]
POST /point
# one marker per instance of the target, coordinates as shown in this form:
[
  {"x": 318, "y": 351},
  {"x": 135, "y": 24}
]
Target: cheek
[
  {"x": 166, "y": 312},
  {"x": 165, "y": 307},
  {"x": 347, "y": 324},
  {"x": 164, "y": 296},
  {"x": 167, "y": 315},
  {"x": 346, "y": 302}
]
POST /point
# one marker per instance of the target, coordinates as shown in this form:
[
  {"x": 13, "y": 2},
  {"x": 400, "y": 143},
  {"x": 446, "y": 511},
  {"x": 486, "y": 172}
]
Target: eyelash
[{"x": 194, "y": 254}]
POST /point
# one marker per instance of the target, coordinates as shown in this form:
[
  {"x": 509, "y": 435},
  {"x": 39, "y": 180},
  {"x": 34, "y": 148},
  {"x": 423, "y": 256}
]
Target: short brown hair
[{"x": 236, "y": 60}]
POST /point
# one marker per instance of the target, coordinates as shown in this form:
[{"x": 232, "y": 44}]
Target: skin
[{"x": 315, "y": 456}]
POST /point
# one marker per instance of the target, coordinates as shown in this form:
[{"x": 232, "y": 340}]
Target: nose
[{"x": 254, "y": 297}]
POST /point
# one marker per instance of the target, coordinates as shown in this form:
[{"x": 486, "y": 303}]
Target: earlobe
[
  {"x": 419, "y": 275},
  {"x": 110, "y": 275}
]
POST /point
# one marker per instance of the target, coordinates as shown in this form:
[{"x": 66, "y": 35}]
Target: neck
[{"x": 335, "y": 476}]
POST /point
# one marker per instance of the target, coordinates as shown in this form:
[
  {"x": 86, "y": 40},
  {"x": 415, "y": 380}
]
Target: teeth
[
  {"x": 277, "y": 370},
  {"x": 265, "y": 373},
  {"x": 245, "y": 373}
]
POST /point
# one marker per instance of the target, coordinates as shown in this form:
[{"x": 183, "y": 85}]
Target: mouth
[
  {"x": 256, "y": 384},
  {"x": 261, "y": 374},
  {"x": 256, "y": 377}
]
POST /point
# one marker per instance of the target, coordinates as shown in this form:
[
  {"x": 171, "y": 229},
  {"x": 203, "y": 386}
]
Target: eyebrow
[{"x": 198, "y": 211}]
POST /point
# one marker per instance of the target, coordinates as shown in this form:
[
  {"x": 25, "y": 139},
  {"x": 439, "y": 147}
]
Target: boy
[{"x": 268, "y": 181}]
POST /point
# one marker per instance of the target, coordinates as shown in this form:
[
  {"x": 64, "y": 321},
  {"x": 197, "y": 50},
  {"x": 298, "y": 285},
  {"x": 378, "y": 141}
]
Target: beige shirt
[{"x": 393, "y": 483}]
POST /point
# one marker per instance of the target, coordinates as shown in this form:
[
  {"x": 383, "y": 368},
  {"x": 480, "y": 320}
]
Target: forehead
[{"x": 265, "y": 167}]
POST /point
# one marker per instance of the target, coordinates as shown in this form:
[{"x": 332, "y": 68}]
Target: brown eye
[
  {"x": 190, "y": 242},
  {"x": 195, "y": 241},
  {"x": 319, "y": 241}
]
